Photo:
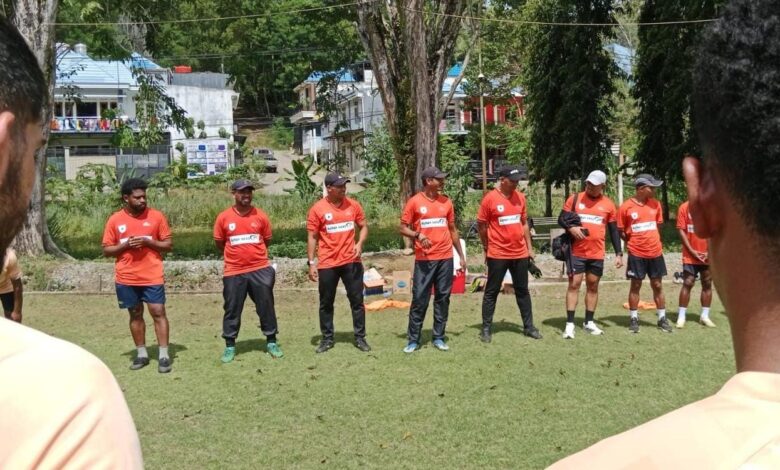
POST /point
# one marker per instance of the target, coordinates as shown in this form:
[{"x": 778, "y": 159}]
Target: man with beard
[
  {"x": 137, "y": 236},
  {"x": 59, "y": 405},
  {"x": 242, "y": 233}
]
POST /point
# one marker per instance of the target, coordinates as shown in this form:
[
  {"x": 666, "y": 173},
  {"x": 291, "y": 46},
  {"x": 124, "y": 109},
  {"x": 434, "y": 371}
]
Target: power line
[
  {"x": 221, "y": 18},
  {"x": 553, "y": 23}
]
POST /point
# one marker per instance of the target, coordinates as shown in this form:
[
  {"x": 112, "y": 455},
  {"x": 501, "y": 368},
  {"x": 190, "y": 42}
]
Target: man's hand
[
  {"x": 462, "y": 266},
  {"x": 619, "y": 261},
  {"x": 424, "y": 241},
  {"x": 313, "y": 274},
  {"x": 700, "y": 256},
  {"x": 576, "y": 232},
  {"x": 530, "y": 252},
  {"x": 136, "y": 242},
  {"x": 358, "y": 249},
  {"x": 16, "y": 316}
]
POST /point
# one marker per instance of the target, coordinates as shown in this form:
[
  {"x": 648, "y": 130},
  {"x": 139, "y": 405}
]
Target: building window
[{"x": 86, "y": 110}]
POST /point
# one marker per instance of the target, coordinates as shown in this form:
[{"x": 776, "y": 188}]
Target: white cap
[{"x": 596, "y": 178}]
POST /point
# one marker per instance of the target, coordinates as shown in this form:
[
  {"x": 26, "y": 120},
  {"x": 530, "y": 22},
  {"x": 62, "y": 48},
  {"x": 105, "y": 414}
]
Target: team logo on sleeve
[
  {"x": 122, "y": 228},
  {"x": 423, "y": 210},
  {"x": 328, "y": 216},
  {"x": 500, "y": 208},
  {"x": 231, "y": 226}
]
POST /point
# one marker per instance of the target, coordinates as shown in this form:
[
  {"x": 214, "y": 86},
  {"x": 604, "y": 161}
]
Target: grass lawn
[{"x": 514, "y": 403}]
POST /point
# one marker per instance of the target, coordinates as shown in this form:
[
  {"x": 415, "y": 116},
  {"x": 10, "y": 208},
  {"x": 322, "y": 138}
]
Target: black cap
[
  {"x": 512, "y": 173},
  {"x": 335, "y": 179},
  {"x": 238, "y": 185},
  {"x": 433, "y": 172},
  {"x": 646, "y": 179}
]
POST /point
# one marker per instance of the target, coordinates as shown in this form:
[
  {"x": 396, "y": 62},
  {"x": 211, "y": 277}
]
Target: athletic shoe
[
  {"x": 663, "y": 325},
  {"x": 139, "y": 362},
  {"x": 680, "y": 322},
  {"x": 361, "y": 344},
  {"x": 440, "y": 345},
  {"x": 485, "y": 336},
  {"x": 706, "y": 322},
  {"x": 411, "y": 347},
  {"x": 633, "y": 325},
  {"x": 325, "y": 345},
  {"x": 228, "y": 354},
  {"x": 532, "y": 333},
  {"x": 164, "y": 365},
  {"x": 274, "y": 350},
  {"x": 592, "y": 328},
  {"x": 678, "y": 278},
  {"x": 568, "y": 332}
]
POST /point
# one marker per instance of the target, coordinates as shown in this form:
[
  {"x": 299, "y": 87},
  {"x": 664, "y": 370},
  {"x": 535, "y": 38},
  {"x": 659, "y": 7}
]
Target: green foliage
[
  {"x": 382, "y": 168},
  {"x": 453, "y": 161},
  {"x": 570, "y": 81},
  {"x": 281, "y": 134},
  {"x": 302, "y": 171}
]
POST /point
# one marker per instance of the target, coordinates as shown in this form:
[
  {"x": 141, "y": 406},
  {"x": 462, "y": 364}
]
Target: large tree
[
  {"x": 666, "y": 54},
  {"x": 411, "y": 44},
  {"x": 35, "y": 21},
  {"x": 569, "y": 77}
]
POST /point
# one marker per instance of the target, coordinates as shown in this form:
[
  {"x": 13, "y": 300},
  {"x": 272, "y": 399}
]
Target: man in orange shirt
[
  {"x": 11, "y": 288},
  {"x": 331, "y": 234},
  {"x": 639, "y": 222},
  {"x": 429, "y": 219},
  {"x": 502, "y": 221},
  {"x": 695, "y": 264},
  {"x": 242, "y": 233},
  {"x": 137, "y": 236},
  {"x": 733, "y": 194},
  {"x": 596, "y": 213}
]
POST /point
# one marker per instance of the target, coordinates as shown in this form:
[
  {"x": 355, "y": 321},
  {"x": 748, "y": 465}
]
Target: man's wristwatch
[{"x": 312, "y": 262}]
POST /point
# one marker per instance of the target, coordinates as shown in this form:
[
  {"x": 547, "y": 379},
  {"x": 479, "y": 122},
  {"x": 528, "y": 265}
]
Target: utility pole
[{"x": 481, "y": 79}]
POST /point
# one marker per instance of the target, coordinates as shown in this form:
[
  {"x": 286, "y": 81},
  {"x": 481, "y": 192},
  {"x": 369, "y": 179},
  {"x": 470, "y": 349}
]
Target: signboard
[{"x": 210, "y": 155}]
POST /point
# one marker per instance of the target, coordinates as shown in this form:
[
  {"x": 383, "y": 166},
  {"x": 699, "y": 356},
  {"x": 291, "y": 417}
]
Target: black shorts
[
  {"x": 584, "y": 265},
  {"x": 695, "y": 269},
  {"x": 638, "y": 268},
  {"x": 8, "y": 301}
]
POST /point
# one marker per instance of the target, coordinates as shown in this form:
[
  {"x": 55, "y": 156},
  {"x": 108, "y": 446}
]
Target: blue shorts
[{"x": 130, "y": 296}]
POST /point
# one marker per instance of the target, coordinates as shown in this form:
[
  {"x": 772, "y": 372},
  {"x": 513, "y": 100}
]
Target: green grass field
[{"x": 515, "y": 403}]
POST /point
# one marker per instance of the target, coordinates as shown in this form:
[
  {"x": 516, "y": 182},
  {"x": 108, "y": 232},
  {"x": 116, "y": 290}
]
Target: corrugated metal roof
[{"x": 81, "y": 70}]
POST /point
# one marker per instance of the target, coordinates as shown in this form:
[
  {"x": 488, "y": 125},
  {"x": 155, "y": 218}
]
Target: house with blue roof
[{"x": 94, "y": 98}]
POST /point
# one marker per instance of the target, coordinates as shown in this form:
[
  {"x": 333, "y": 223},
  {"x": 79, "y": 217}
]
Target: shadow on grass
[
  {"x": 247, "y": 345},
  {"x": 501, "y": 327},
  {"x": 623, "y": 320},
  {"x": 426, "y": 335},
  {"x": 154, "y": 351},
  {"x": 560, "y": 323},
  {"x": 338, "y": 337}
]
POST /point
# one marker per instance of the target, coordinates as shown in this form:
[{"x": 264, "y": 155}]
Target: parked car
[{"x": 271, "y": 163}]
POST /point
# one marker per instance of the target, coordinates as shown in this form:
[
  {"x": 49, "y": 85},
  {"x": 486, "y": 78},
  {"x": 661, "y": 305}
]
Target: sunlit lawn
[{"x": 514, "y": 403}]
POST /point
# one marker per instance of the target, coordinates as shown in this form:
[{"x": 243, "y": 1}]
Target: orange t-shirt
[
  {"x": 137, "y": 266},
  {"x": 432, "y": 219},
  {"x": 245, "y": 238},
  {"x": 505, "y": 217},
  {"x": 336, "y": 227},
  {"x": 685, "y": 222},
  {"x": 595, "y": 214},
  {"x": 640, "y": 224}
]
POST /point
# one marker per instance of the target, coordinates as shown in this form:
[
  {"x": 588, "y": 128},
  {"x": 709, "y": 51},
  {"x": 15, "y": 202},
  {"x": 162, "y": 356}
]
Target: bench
[{"x": 543, "y": 228}]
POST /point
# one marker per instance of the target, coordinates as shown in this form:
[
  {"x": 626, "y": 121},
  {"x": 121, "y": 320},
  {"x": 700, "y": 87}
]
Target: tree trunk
[
  {"x": 665, "y": 197},
  {"x": 547, "y": 199},
  {"x": 35, "y": 21}
]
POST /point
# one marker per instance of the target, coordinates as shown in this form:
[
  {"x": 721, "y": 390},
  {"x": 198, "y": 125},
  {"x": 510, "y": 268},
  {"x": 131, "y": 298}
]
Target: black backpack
[{"x": 561, "y": 245}]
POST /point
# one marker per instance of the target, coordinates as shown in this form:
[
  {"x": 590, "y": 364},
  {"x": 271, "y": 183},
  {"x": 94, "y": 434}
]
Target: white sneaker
[
  {"x": 568, "y": 332},
  {"x": 592, "y": 328},
  {"x": 706, "y": 322},
  {"x": 680, "y": 322}
]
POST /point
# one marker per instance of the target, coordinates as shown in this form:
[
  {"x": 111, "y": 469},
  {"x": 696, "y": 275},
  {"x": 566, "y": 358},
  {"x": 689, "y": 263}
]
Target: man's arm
[
  {"x": 160, "y": 246},
  {"x": 16, "y": 314},
  {"x": 482, "y": 229},
  {"x": 362, "y": 236},
  {"x": 112, "y": 251},
  {"x": 220, "y": 245},
  {"x": 527, "y": 235},
  {"x": 407, "y": 231},
  {"x": 311, "y": 247},
  {"x": 456, "y": 243},
  {"x": 687, "y": 244}
]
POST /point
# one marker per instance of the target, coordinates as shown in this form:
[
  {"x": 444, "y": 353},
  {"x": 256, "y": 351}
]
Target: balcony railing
[{"x": 89, "y": 124}]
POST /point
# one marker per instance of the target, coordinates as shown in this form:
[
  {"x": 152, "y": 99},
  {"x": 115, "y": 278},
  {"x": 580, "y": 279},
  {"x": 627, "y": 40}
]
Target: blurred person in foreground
[{"x": 60, "y": 407}]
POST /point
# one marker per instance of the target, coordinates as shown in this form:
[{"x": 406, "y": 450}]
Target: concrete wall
[{"x": 212, "y": 106}]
